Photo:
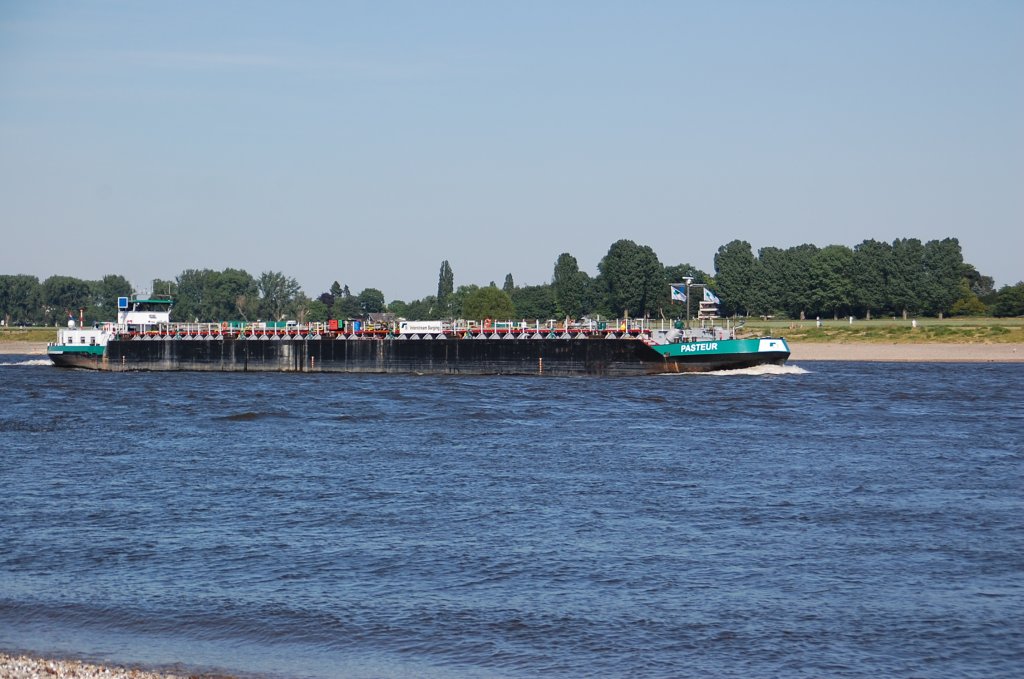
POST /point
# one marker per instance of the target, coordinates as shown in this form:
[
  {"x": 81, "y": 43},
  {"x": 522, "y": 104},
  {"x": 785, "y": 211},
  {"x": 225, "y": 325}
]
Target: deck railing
[{"x": 459, "y": 327}]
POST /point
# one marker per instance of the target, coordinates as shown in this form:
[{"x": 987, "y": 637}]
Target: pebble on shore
[{"x": 29, "y": 667}]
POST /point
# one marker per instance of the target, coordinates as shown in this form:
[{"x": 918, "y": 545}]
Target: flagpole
[{"x": 687, "y": 281}]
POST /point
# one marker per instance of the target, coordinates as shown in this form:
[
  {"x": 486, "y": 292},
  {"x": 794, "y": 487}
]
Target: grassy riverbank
[
  {"x": 888, "y": 331},
  {"x": 28, "y": 334}
]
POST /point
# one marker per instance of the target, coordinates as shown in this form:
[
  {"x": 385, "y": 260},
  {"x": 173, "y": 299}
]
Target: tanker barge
[{"x": 144, "y": 338}]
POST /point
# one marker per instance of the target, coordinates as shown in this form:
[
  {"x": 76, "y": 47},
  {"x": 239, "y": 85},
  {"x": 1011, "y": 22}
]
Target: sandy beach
[
  {"x": 30, "y": 348},
  {"x": 908, "y": 353}
]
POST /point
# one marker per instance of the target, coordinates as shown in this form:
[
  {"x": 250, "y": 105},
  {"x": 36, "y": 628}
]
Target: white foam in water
[
  {"x": 762, "y": 370},
  {"x": 757, "y": 370},
  {"x": 29, "y": 362}
]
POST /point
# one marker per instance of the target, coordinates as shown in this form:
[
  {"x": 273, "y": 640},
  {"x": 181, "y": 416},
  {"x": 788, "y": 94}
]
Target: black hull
[{"x": 579, "y": 356}]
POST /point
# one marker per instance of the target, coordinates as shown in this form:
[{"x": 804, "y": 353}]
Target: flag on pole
[
  {"x": 710, "y": 297},
  {"x": 678, "y": 294}
]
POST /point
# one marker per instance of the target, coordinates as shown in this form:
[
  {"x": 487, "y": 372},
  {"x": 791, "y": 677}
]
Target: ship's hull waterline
[{"x": 400, "y": 355}]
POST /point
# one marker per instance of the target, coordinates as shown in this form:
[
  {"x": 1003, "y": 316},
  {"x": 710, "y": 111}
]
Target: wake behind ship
[{"x": 144, "y": 338}]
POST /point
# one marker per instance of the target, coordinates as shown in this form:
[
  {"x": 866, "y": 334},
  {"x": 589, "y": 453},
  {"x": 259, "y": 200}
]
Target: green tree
[
  {"x": 400, "y": 308},
  {"x": 634, "y": 278},
  {"x": 734, "y": 276},
  {"x": 235, "y": 295},
  {"x": 20, "y": 299},
  {"x": 535, "y": 301},
  {"x": 872, "y": 264},
  {"x": 907, "y": 280},
  {"x": 596, "y": 301},
  {"x": 968, "y": 304},
  {"x": 982, "y": 286},
  {"x": 332, "y": 297},
  {"x": 371, "y": 301},
  {"x": 63, "y": 296},
  {"x": 798, "y": 276},
  {"x": 1010, "y": 301},
  {"x": 832, "y": 272},
  {"x": 298, "y": 308},
  {"x": 105, "y": 293},
  {"x": 161, "y": 287},
  {"x": 192, "y": 301},
  {"x": 455, "y": 307},
  {"x": 678, "y": 272},
  {"x": 346, "y": 305},
  {"x": 568, "y": 288},
  {"x": 489, "y": 302},
  {"x": 943, "y": 269},
  {"x": 317, "y": 312},
  {"x": 206, "y": 295},
  {"x": 445, "y": 289},
  {"x": 769, "y": 281},
  {"x": 278, "y": 293},
  {"x": 509, "y": 285},
  {"x": 416, "y": 310}
]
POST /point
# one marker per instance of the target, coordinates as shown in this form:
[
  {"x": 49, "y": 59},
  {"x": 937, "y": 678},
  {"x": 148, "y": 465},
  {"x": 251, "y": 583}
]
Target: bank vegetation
[{"x": 904, "y": 279}]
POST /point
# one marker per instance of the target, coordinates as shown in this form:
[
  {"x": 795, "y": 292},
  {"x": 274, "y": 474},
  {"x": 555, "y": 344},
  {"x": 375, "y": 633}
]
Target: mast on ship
[{"x": 681, "y": 293}]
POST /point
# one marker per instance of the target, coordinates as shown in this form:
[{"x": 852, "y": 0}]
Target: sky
[{"x": 366, "y": 142}]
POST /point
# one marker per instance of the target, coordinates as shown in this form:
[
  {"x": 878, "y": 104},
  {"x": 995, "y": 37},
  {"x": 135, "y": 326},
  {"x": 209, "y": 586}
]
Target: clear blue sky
[{"x": 365, "y": 142}]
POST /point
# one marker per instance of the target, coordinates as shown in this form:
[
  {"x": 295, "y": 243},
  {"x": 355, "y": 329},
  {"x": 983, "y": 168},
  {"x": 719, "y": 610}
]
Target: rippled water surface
[{"x": 849, "y": 520}]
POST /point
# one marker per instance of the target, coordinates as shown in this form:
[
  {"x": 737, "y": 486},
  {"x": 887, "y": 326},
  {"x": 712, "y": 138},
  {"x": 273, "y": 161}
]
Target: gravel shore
[{"x": 30, "y": 667}]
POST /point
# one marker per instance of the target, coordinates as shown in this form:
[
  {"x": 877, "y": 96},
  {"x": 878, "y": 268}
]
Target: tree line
[{"x": 905, "y": 277}]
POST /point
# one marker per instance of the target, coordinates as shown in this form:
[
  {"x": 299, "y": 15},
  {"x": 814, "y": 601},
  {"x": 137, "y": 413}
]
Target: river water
[{"x": 830, "y": 519}]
